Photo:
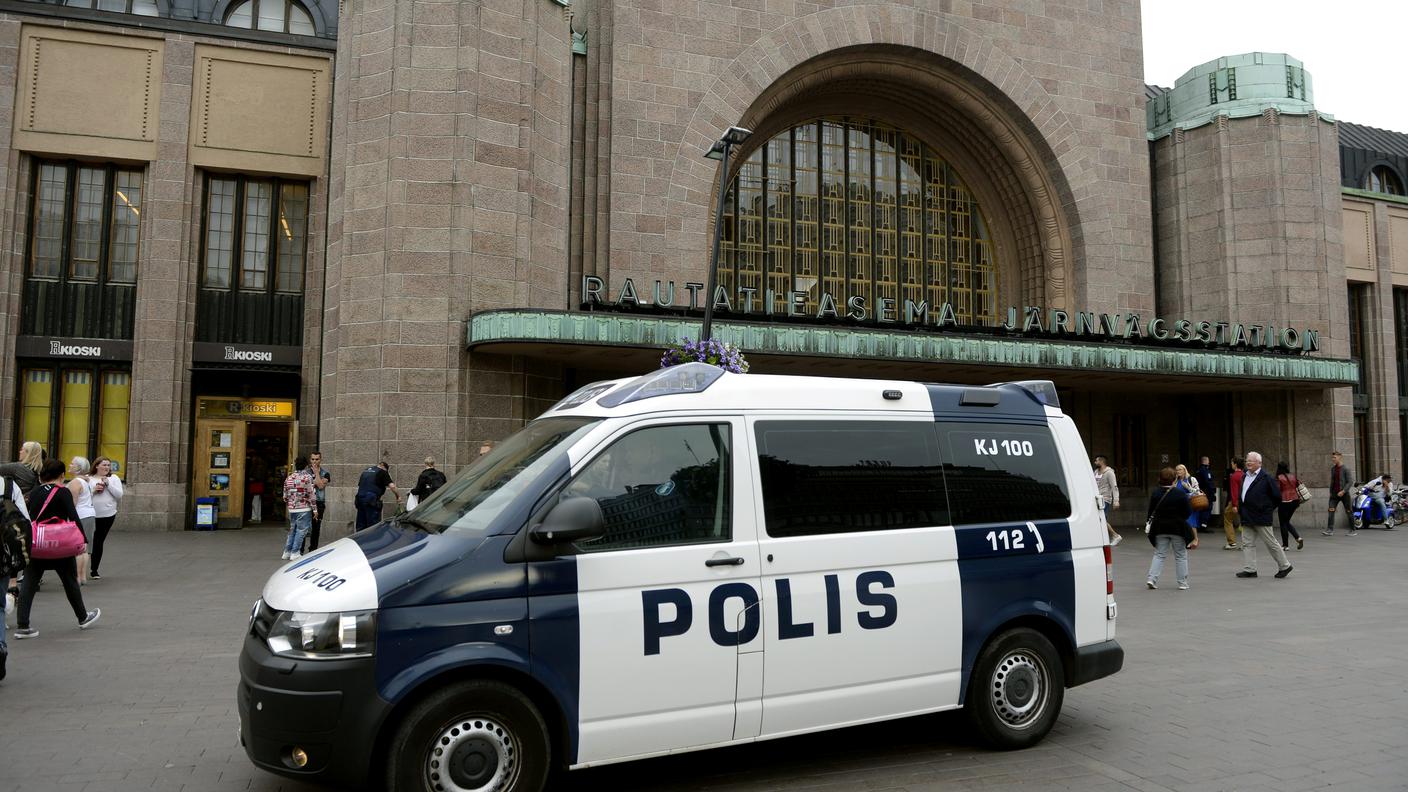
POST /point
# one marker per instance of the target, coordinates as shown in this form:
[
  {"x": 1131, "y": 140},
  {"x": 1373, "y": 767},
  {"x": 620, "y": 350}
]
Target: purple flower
[{"x": 714, "y": 352}]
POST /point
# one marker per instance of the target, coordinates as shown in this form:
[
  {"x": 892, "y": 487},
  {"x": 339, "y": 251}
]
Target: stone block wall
[
  {"x": 670, "y": 80},
  {"x": 159, "y": 420},
  {"x": 449, "y": 195}
]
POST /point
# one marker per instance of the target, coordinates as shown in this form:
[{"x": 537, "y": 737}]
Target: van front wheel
[
  {"x": 1016, "y": 690},
  {"x": 477, "y": 736}
]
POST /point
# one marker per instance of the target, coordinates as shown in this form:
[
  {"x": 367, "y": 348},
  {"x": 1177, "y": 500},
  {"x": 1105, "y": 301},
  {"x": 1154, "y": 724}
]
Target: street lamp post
[{"x": 733, "y": 136}]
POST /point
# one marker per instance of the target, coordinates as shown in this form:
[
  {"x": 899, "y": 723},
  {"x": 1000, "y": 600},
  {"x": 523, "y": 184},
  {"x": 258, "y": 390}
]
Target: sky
[{"x": 1353, "y": 49}]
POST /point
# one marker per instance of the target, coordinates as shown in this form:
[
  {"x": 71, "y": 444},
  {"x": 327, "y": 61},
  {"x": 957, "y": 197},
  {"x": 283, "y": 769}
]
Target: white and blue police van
[{"x": 693, "y": 559}]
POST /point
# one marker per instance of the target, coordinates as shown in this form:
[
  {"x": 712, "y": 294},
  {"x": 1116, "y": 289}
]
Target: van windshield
[{"x": 475, "y": 499}]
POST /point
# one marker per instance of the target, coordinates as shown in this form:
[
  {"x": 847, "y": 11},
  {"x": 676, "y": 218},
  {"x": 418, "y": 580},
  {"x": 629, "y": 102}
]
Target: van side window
[
  {"x": 663, "y": 485},
  {"x": 822, "y": 477},
  {"x": 1002, "y": 473}
]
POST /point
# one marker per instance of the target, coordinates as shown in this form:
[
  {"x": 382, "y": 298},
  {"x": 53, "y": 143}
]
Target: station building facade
[{"x": 400, "y": 228}]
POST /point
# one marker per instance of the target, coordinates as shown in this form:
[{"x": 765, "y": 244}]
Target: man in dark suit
[{"x": 1259, "y": 500}]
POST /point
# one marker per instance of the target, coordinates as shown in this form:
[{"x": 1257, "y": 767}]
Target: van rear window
[
  {"x": 823, "y": 477},
  {"x": 1002, "y": 473}
]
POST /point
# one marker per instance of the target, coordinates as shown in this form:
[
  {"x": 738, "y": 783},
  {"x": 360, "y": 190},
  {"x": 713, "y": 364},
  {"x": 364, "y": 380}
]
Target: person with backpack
[
  {"x": 14, "y": 548},
  {"x": 430, "y": 480},
  {"x": 52, "y": 501},
  {"x": 299, "y": 500}
]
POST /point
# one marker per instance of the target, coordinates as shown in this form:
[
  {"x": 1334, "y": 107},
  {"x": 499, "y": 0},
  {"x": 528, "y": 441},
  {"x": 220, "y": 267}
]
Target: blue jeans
[
  {"x": 1180, "y": 557},
  {"x": 298, "y": 525}
]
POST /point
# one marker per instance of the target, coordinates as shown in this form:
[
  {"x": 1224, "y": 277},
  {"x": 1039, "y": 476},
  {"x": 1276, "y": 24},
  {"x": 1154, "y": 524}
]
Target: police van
[{"x": 693, "y": 559}]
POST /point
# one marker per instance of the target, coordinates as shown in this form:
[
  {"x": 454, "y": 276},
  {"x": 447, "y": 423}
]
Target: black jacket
[
  {"x": 1169, "y": 509},
  {"x": 1207, "y": 482},
  {"x": 430, "y": 480},
  {"x": 1262, "y": 499}
]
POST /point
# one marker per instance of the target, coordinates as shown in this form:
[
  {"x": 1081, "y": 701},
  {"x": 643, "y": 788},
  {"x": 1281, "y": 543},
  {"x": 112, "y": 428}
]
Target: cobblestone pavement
[{"x": 1262, "y": 684}]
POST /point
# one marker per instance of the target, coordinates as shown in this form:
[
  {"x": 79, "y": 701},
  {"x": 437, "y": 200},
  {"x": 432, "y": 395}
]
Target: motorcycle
[{"x": 1368, "y": 512}]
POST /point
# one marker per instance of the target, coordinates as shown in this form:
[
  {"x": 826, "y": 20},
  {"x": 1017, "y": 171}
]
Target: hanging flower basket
[{"x": 714, "y": 352}]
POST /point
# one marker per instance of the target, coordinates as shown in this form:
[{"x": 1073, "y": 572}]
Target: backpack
[
  {"x": 434, "y": 481},
  {"x": 14, "y": 528}
]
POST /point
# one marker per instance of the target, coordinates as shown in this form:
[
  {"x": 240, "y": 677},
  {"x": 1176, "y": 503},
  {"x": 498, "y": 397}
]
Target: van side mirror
[{"x": 571, "y": 520}]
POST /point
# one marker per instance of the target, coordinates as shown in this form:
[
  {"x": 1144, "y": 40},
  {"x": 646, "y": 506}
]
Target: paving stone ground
[{"x": 1275, "y": 685}]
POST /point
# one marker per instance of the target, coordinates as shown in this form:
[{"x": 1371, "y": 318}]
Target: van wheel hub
[
  {"x": 1020, "y": 688},
  {"x": 471, "y": 755}
]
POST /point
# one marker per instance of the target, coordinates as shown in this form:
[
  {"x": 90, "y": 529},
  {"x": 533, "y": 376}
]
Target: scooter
[{"x": 1367, "y": 512}]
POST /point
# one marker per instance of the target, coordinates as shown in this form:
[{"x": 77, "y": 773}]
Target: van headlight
[{"x": 323, "y": 636}]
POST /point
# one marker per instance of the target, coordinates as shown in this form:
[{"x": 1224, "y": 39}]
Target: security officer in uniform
[{"x": 370, "y": 488}]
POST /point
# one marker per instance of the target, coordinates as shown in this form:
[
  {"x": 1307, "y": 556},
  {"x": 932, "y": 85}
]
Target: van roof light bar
[
  {"x": 1044, "y": 391},
  {"x": 686, "y": 378},
  {"x": 584, "y": 394}
]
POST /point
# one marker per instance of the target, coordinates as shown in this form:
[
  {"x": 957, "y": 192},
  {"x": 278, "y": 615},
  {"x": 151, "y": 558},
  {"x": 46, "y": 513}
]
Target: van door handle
[{"x": 730, "y": 561}]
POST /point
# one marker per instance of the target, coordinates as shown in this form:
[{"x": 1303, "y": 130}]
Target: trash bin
[{"x": 206, "y": 517}]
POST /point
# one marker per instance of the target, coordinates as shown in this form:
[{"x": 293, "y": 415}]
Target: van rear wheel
[
  {"x": 1016, "y": 690},
  {"x": 476, "y": 736}
]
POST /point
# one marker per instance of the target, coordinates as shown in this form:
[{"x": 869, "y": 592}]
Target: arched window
[
  {"x": 281, "y": 16},
  {"x": 1382, "y": 179},
  {"x": 138, "y": 7},
  {"x": 851, "y": 208}
]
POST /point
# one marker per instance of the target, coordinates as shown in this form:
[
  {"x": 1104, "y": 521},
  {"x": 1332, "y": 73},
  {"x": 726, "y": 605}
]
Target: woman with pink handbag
[{"x": 57, "y": 541}]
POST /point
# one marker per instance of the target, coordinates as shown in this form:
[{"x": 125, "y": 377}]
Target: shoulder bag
[
  {"x": 56, "y": 537},
  {"x": 1149, "y": 523},
  {"x": 1302, "y": 492}
]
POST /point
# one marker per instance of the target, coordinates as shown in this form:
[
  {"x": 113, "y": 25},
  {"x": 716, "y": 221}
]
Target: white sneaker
[
  {"x": 285, "y": 555},
  {"x": 1116, "y": 540},
  {"x": 1182, "y": 586},
  {"x": 295, "y": 556},
  {"x": 1150, "y": 584}
]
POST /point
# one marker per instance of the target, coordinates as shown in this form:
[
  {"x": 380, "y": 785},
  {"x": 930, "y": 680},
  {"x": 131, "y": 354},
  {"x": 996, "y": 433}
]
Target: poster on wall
[
  {"x": 220, "y": 459},
  {"x": 219, "y": 481},
  {"x": 221, "y": 438}
]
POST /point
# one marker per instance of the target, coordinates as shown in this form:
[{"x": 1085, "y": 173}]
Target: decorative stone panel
[
  {"x": 88, "y": 94},
  {"x": 255, "y": 111}
]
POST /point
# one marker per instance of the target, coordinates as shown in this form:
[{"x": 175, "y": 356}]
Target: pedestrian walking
[
  {"x": 15, "y": 531},
  {"x": 1258, "y": 502},
  {"x": 52, "y": 500},
  {"x": 1290, "y": 501},
  {"x": 24, "y": 473},
  {"x": 321, "y": 479},
  {"x": 1109, "y": 489},
  {"x": 1170, "y": 528},
  {"x": 299, "y": 500},
  {"x": 371, "y": 488},
  {"x": 107, "y": 491},
  {"x": 428, "y": 482},
  {"x": 82, "y": 489},
  {"x": 1341, "y": 487},
  {"x": 1231, "y": 519},
  {"x": 1208, "y": 482},
  {"x": 1190, "y": 486}
]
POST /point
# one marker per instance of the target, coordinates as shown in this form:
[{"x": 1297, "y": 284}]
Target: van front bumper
[
  {"x": 328, "y": 708},
  {"x": 1095, "y": 661}
]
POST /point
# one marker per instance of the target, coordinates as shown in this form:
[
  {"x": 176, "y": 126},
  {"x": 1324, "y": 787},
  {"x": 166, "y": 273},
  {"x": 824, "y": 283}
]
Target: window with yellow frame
[{"x": 76, "y": 411}]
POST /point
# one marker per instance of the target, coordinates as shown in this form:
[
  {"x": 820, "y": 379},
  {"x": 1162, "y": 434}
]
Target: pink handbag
[{"x": 55, "y": 537}]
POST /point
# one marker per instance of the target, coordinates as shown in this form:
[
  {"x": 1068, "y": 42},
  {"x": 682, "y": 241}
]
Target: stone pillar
[
  {"x": 450, "y": 189},
  {"x": 13, "y": 194},
  {"x": 1246, "y": 181},
  {"x": 1381, "y": 358},
  {"x": 160, "y": 416}
]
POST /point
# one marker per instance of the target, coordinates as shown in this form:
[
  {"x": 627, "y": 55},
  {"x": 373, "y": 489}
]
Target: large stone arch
[{"x": 927, "y": 73}]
